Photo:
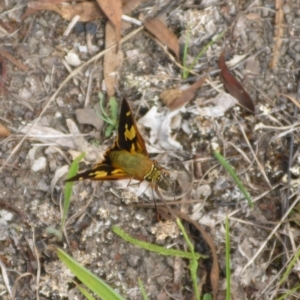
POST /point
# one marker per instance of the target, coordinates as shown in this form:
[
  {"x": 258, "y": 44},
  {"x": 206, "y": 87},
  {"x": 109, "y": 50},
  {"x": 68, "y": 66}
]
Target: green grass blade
[
  {"x": 154, "y": 248},
  {"x": 207, "y": 297},
  {"x": 289, "y": 267},
  {"x": 96, "y": 285},
  {"x": 193, "y": 262},
  {"x": 204, "y": 49},
  {"x": 227, "y": 245},
  {"x": 85, "y": 293},
  {"x": 68, "y": 188},
  {"x": 288, "y": 293},
  {"x": 185, "y": 72},
  {"x": 113, "y": 118},
  {"x": 234, "y": 176},
  {"x": 142, "y": 289}
]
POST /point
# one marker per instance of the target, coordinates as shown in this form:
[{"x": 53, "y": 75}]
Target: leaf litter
[{"x": 222, "y": 130}]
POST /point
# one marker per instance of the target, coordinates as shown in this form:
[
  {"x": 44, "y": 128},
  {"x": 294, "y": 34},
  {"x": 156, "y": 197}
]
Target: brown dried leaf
[
  {"x": 234, "y": 88},
  {"x": 113, "y": 11},
  {"x": 129, "y": 5},
  {"x": 4, "y": 131},
  {"x": 87, "y": 11},
  {"x": 164, "y": 35},
  {"x": 113, "y": 60},
  {"x": 174, "y": 99},
  {"x": 168, "y": 96},
  {"x": 88, "y": 116}
]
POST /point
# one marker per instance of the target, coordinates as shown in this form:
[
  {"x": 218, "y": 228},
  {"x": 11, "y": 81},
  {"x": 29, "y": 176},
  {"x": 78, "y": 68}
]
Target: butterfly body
[{"x": 128, "y": 158}]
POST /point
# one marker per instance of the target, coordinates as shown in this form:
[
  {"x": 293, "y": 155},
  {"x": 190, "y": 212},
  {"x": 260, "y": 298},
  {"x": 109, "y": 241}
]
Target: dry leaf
[
  {"x": 113, "y": 60},
  {"x": 88, "y": 116},
  {"x": 129, "y": 5},
  {"x": 174, "y": 99},
  {"x": 44, "y": 133},
  {"x": 113, "y": 11},
  {"x": 160, "y": 130},
  {"x": 166, "y": 36},
  {"x": 234, "y": 88},
  {"x": 87, "y": 11},
  {"x": 168, "y": 96},
  {"x": 253, "y": 16},
  {"x": 4, "y": 131}
]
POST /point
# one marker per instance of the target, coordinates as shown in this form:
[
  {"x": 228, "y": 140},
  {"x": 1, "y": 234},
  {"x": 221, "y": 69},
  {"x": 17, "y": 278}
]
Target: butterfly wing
[
  {"x": 101, "y": 171},
  {"x": 129, "y": 137}
]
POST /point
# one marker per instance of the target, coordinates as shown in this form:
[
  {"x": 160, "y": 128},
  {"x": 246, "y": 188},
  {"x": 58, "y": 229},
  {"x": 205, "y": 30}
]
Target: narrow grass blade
[
  {"x": 193, "y": 262},
  {"x": 95, "y": 284},
  {"x": 68, "y": 187},
  {"x": 228, "y": 273},
  {"x": 142, "y": 290},
  {"x": 290, "y": 267},
  {"x": 85, "y": 293},
  {"x": 154, "y": 248},
  {"x": 234, "y": 176}
]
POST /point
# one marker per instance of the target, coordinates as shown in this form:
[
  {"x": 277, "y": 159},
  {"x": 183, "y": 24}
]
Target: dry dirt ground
[{"x": 258, "y": 147}]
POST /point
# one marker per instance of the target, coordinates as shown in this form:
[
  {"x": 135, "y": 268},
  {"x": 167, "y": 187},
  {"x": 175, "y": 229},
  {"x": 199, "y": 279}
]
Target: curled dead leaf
[
  {"x": 4, "y": 131},
  {"x": 174, "y": 98},
  {"x": 87, "y": 11},
  {"x": 163, "y": 34},
  {"x": 113, "y": 11},
  {"x": 129, "y": 5},
  {"x": 113, "y": 60},
  {"x": 168, "y": 96},
  {"x": 233, "y": 86}
]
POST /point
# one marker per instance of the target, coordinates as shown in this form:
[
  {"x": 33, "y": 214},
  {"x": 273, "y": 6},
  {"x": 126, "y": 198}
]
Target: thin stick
[{"x": 74, "y": 72}]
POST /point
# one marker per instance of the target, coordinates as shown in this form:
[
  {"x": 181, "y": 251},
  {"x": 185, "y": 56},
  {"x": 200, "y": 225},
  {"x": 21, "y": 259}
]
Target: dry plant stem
[
  {"x": 80, "y": 212},
  {"x": 253, "y": 200},
  {"x": 16, "y": 283},
  {"x": 5, "y": 278},
  {"x": 275, "y": 278},
  {"x": 171, "y": 57},
  {"x": 69, "y": 69},
  {"x": 285, "y": 202},
  {"x": 38, "y": 273},
  {"x": 17, "y": 7},
  {"x": 296, "y": 102},
  {"x": 214, "y": 274},
  {"x": 89, "y": 88},
  {"x": 241, "y": 152},
  {"x": 74, "y": 72},
  {"x": 71, "y": 25},
  {"x": 278, "y": 33},
  {"x": 255, "y": 157},
  {"x": 271, "y": 234}
]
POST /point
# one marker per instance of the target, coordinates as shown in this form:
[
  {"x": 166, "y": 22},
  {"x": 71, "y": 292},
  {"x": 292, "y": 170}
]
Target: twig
[{"x": 70, "y": 76}]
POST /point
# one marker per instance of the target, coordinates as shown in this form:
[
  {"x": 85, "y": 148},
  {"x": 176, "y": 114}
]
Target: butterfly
[{"x": 127, "y": 158}]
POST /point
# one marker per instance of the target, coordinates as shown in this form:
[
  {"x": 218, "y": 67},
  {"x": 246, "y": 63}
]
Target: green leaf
[
  {"x": 228, "y": 273},
  {"x": 68, "y": 188},
  {"x": 85, "y": 293},
  {"x": 142, "y": 289},
  {"x": 95, "y": 284},
  {"x": 234, "y": 176},
  {"x": 154, "y": 248}
]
